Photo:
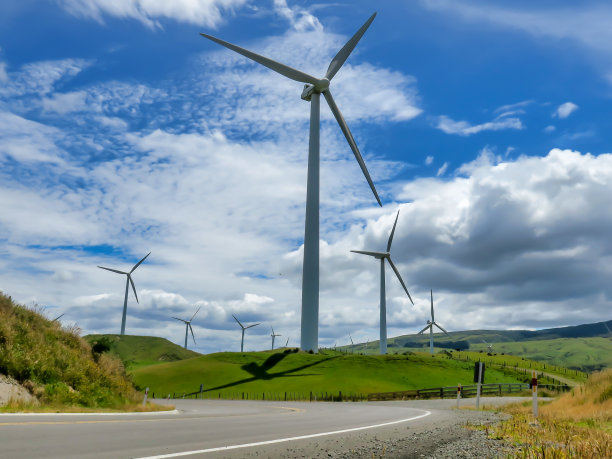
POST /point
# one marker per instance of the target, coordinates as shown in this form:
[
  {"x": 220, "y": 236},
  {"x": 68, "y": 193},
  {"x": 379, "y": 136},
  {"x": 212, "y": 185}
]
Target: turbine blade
[
  {"x": 400, "y": 279},
  {"x": 195, "y": 314},
  {"x": 58, "y": 317},
  {"x": 392, "y": 232},
  {"x": 182, "y": 320},
  {"x": 272, "y": 330},
  {"x": 372, "y": 254},
  {"x": 191, "y": 330},
  {"x": 424, "y": 329},
  {"x": 237, "y": 320},
  {"x": 254, "y": 325},
  {"x": 113, "y": 270},
  {"x": 133, "y": 288},
  {"x": 440, "y": 328},
  {"x": 346, "y": 50},
  {"x": 349, "y": 137},
  {"x": 138, "y": 264},
  {"x": 432, "y": 310},
  {"x": 283, "y": 69}
]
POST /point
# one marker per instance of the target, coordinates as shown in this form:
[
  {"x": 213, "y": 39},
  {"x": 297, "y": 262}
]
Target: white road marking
[{"x": 281, "y": 440}]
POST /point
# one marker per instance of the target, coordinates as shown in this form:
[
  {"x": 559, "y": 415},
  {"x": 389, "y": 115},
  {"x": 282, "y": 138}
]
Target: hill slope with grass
[
  {"x": 55, "y": 364},
  {"x": 228, "y": 374},
  {"x": 139, "y": 351},
  {"x": 586, "y": 347}
]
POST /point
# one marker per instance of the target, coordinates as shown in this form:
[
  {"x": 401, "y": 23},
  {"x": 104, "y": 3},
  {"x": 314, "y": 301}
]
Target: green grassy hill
[
  {"x": 55, "y": 364},
  {"x": 139, "y": 351},
  {"x": 585, "y": 347},
  {"x": 276, "y": 372}
]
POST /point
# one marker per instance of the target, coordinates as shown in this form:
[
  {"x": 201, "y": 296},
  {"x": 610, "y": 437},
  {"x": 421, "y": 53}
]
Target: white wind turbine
[
  {"x": 430, "y": 324},
  {"x": 127, "y": 287},
  {"x": 489, "y": 347},
  {"x": 273, "y": 335},
  {"x": 188, "y": 327},
  {"x": 352, "y": 344},
  {"x": 313, "y": 89},
  {"x": 382, "y": 256},
  {"x": 243, "y": 329}
]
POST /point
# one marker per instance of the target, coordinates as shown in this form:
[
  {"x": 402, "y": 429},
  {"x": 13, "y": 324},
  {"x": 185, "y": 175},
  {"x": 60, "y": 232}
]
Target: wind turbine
[
  {"x": 489, "y": 347},
  {"x": 352, "y": 344},
  {"x": 287, "y": 343},
  {"x": 430, "y": 324},
  {"x": 188, "y": 326},
  {"x": 313, "y": 89},
  {"x": 127, "y": 286},
  {"x": 243, "y": 329},
  {"x": 382, "y": 256},
  {"x": 273, "y": 335}
]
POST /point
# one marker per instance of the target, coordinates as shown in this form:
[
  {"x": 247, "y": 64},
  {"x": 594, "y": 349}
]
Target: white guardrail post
[
  {"x": 144, "y": 402},
  {"x": 534, "y": 387}
]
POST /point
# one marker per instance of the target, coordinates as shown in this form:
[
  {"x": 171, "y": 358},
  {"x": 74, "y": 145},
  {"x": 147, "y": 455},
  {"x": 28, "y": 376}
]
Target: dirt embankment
[{"x": 11, "y": 389}]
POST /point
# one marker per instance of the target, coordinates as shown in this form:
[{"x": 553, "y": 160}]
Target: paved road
[{"x": 207, "y": 428}]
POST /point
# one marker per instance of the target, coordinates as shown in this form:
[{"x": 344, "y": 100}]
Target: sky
[{"x": 485, "y": 124}]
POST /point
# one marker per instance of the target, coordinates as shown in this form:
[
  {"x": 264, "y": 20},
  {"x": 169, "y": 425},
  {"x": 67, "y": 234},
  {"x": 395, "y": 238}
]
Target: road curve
[{"x": 206, "y": 428}]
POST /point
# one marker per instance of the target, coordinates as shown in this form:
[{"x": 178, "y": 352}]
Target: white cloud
[
  {"x": 63, "y": 104},
  {"x": 550, "y": 128},
  {"x": 565, "y": 110},
  {"x": 587, "y": 24},
  {"x": 3, "y": 75},
  {"x": 429, "y": 160},
  {"x": 464, "y": 128},
  {"x": 208, "y": 13},
  {"x": 442, "y": 169},
  {"x": 299, "y": 18}
]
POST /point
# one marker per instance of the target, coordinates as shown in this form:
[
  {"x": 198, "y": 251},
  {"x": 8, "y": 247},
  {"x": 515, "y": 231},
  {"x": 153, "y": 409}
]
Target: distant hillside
[
  {"x": 138, "y": 351},
  {"x": 586, "y": 347},
  {"x": 57, "y": 366}
]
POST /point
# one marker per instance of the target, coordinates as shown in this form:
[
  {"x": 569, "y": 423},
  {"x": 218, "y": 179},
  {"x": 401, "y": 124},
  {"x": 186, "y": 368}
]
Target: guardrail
[
  {"x": 433, "y": 392},
  {"x": 466, "y": 391}
]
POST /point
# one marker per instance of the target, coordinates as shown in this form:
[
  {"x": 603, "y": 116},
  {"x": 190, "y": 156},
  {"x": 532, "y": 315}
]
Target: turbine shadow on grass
[{"x": 260, "y": 372}]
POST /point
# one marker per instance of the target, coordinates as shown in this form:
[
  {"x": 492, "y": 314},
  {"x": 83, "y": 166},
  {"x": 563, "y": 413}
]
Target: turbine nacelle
[{"x": 321, "y": 86}]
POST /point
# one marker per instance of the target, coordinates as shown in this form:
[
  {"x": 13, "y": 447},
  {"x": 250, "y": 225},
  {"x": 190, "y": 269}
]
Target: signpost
[{"x": 534, "y": 388}]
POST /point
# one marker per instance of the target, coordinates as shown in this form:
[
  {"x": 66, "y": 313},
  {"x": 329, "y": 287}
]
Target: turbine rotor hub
[{"x": 309, "y": 89}]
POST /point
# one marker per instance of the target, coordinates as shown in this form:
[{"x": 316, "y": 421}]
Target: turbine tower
[
  {"x": 313, "y": 89},
  {"x": 273, "y": 335},
  {"x": 127, "y": 287},
  {"x": 352, "y": 344},
  {"x": 382, "y": 256},
  {"x": 188, "y": 326},
  {"x": 489, "y": 347},
  {"x": 243, "y": 329},
  {"x": 430, "y": 324}
]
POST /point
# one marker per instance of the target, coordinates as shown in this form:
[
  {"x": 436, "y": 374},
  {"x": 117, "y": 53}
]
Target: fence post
[
  {"x": 340, "y": 395},
  {"x": 144, "y": 402},
  {"x": 311, "y": 396},
  {"x": 458, "y": 394}
]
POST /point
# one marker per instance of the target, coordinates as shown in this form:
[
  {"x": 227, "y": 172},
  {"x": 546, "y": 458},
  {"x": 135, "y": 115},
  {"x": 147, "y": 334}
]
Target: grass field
[
  {"x": 140, "y": 351},
  {"x": 580, "y": 353},
  {"x": 254, "y": 373}
]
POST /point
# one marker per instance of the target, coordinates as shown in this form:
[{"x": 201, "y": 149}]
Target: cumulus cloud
[
  {"x": 429, "y": 160},
  {"x": 208, "y": 13},
  {"x": 463, "y": 128},
  {"x": 565, "y": 110},
  {"x": 299, "y": 18}
]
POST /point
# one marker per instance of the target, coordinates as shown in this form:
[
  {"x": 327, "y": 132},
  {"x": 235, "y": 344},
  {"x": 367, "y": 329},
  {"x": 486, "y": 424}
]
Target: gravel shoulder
[{"x": 448, "y": 433}]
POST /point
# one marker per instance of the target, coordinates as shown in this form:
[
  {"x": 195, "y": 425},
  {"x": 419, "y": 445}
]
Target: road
[{"x": 215, "y": 428}]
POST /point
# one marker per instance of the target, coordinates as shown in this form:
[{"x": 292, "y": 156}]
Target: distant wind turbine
[
  {"x": 352, "y": 344},
  {"x": 489, "y": 347},
  {"x": 430, "y": 324},
  {"x": 313, "y": 89},
  {"x": 382, "y": 256},
  {"x": 243, "y": 329},
  {"x": 58, "y": 317},
  {"x": 273, "y": 335},
  {"x": 127, "y": 286},
  {"x": 188, "y": 326},
  {"x": 287, "y": 343}
]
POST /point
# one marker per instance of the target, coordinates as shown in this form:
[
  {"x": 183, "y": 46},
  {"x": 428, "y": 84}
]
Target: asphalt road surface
[{"x": 218, "y": 428}]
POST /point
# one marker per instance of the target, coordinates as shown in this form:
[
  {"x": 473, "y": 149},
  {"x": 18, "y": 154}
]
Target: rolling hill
[
  {"x": 138, "y": 351},
  {"x": 228, "y": 374},
  {"x": 586, "y": 347}
]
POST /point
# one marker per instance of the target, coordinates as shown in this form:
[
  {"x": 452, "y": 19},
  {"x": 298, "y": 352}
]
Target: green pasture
[
  {"x": 275, "y": 372},
  {"x": 140, "y": 351}
]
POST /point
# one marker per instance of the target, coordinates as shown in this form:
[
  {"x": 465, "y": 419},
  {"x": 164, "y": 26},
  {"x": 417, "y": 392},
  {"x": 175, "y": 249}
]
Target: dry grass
[{"x": 576, "y": 425}]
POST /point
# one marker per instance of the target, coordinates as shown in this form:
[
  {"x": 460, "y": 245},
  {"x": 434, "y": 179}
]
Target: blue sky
[{"x": 122, "y": 131}]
